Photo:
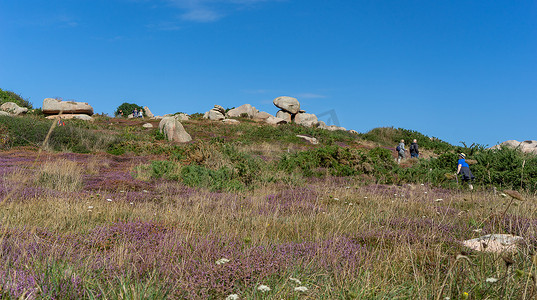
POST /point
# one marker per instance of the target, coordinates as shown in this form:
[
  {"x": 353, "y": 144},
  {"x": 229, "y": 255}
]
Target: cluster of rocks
[
  {"x": 55, "y": 108},
  {"x": 218, "y": 113},
  {"x": 290, "y": 111},
  {"x": 525, "y": 146}
]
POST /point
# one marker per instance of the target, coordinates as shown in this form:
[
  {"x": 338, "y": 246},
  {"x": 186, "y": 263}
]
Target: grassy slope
[{"x": 342, "y": 237}]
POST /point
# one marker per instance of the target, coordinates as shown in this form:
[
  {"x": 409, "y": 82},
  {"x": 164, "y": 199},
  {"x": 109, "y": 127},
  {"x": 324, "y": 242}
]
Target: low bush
[
  {"x": 390, "y": 137},
  {"x": 9, "y": 96},
  {"x": 127, "y": 109}
]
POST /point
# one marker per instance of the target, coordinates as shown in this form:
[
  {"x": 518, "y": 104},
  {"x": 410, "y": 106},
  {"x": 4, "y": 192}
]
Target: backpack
[{"x": 398, "y": 148}]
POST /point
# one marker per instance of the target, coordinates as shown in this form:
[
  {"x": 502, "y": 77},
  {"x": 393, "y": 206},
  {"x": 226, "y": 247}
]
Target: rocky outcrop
[
  {"x": 173, "y": 130},
  {"x": 309, "y": 139},
  {"x": 497, "y": 243},
  {"x": 55, "y": 106},
  {"x": 307, "y": 120},
  {"x": 182, "y": 117},
  {"x": 245, "y": 110},
  {"x": 231, "y": 121},
  {"x": 288, "y": 104},
  {"x": 525, "y": 146},
  {"x": 272, "y": 120},
  {"x": 262, "y": 116},
  {"x": 216, "y": 113},
  {"x": 13, "y": 108},
  {"x": 71, "y": 116},
  {"x": 148, "y": 112}
]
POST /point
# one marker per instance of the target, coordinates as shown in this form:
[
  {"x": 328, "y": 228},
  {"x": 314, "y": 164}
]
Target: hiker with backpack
[
  {"x": 464, "y": 169},
  {"x": 414, "y": 151},
  {"x": 400, "y": 151}
]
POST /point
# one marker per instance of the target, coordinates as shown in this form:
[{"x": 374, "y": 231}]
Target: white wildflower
[
  {"x": 145, "y": 191},
  {"x": 232, "y": 297},
  {"x": 425, "y": 192},
  {"x": 365, "y": 197},
  {"x": 122, "y": 191},
  {"x": 109, "y": 200},
  {"x": 295, "y": 280},
  {"x": 491, "y": 280},
  {"x": 302, "y": 289},
  {"x": 477, "y": 230},
  {"x": 132, "y": 203},
  {"x": 337, "y": 199},
  {"x": 222, "y": 261},
  {"x": 347, "y": 187},
  {"x": 438, "y": 200},
  {"x": 422, "y": 184},
  {"x": 263, "y": 288},
  {"x": 503, "y": 195},
  {"x": 90, "y": 207},
  {"x": 350, "y": 204}
]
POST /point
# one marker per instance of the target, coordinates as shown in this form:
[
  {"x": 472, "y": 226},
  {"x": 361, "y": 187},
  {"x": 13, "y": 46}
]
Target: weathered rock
[
  {"x": 182, "y": 117},
  {"x": 310, "y": 139},
  {"x": 353, "y": 131},
  {"x": 282, "y": 114},
  {"x": 173, "y": 130},
  {"x": 245, "y": 109},
  {"x": 148, "y": 112},
  {"x": 4, "y": 113},
  {"x": 13, "y": 108},
  {"x": 130, "y": 116},
  {"x": 494, "y": 243},
  {"x": 262, "y": 116},
  {"x": 334, "y": 128},
  {"x": 288, "y": 104},
  {"x": 219, "y": 109},
  {"x": 272, "y": 120},
  {"x": 525, "y": 146},
  {"x": 54, "y": 107},
  {"x": 231, "y": 121},
  {"x": 214, "y": 115},
  {"x": 147, "y": 125},
  {"x": 322, "y": 125},
  {"x": 308, "y": 120},
  {"x": 72, "y": 116}
]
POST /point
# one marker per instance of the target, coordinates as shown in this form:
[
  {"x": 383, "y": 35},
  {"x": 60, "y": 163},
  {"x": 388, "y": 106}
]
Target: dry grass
[{"x": 62, "y": 175}]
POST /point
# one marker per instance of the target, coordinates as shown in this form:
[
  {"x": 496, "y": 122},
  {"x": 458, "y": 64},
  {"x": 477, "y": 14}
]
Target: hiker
[
  {"x": 464, "y": 169},
  {"x": 60, "y": 122},
  {"x": 140, "y": 113},
  {"x": 400, "y": 151},
  {"x": 120, "y": 113},
  {"x": 414, "y": 151},
  {"x": 135, "y": 113}
]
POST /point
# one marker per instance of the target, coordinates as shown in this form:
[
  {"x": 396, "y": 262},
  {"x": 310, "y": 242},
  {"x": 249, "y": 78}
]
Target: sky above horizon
[{"x": 462, "y": 71}]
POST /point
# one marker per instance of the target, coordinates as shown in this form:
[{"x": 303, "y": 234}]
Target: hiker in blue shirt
[{"x": 464, "y": 169}]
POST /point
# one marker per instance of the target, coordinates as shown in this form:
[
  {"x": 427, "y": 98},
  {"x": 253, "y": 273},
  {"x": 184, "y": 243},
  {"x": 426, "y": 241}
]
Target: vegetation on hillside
[{"x": 9, "y": 96}]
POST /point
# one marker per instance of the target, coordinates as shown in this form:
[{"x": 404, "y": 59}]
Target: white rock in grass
[
  {"x": 263, "y": 288},
  {"x": 232, "y": 297},
  {"x": 295, "y": 280},
  {"x": 491, "y": 280},
  {"x": 496, "y": 243},
  {"x": 222, "y": 261}
]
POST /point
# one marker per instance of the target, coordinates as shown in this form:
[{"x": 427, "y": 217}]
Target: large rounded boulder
[
  {"x": 173, "y": 130},
  {"x": 288, "y": 104}
]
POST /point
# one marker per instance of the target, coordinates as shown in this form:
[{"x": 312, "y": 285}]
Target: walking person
[
  {"x": 464, "y": 169},
  {"x": 400, "y": 151},
  {"x": 414, "y": 151},
  {"x": 140, "y": 113},
  {"x": 135, "y": 113}
]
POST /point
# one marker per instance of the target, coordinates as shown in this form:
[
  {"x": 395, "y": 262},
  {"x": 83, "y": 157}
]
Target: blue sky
[{"x": 457, "y": 70}]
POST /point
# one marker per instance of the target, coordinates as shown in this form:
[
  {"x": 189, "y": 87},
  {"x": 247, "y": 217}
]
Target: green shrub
[
  {"x": 9, "y": 96},
  {"x": 222, "y": 179}
]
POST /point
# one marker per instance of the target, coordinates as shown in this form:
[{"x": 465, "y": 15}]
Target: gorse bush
[{"x": 9, "y": 96}]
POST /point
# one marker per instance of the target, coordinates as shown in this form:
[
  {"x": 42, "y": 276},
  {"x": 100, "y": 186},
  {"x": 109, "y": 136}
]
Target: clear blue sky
[{"x": 457, "y": 70}]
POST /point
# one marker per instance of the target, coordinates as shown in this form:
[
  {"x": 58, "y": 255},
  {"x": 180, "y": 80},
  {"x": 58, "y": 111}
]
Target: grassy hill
[{"x": 110, "y": 210}]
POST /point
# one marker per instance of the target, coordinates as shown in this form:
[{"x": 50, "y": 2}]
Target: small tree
[{"x": 127, "y": 108}]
